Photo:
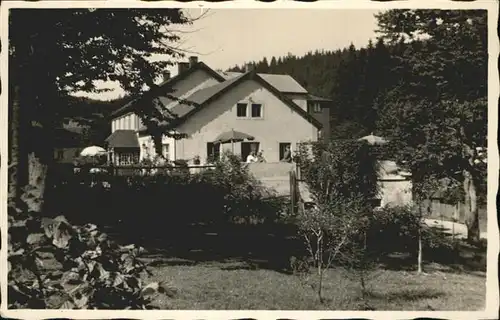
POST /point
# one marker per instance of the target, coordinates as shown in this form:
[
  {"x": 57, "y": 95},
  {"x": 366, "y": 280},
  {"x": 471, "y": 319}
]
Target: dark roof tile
[{"x": 123, "y": 139}]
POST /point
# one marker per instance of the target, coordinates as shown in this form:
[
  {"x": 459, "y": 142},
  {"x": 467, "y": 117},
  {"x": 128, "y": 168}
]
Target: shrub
[
  {"x": 396, "y": 229},
  {"x": 393, "y": 229},
  {"x": 342, "y": 177},
  {"x": 89, "y": 271},
  {"x": 226, "y": 193},
  {"x": 244, "y": 197}
]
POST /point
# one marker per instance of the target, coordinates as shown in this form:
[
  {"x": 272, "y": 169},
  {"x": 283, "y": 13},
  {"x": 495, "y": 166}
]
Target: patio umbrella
[
  {"x": 93, "y": 151},
  {"x": 233, "y": 136},
  {"x": 374, "y": 140}
]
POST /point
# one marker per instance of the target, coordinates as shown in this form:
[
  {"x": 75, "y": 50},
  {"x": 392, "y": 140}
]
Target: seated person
[
  {"x": 260, "y": 157},
  {"x": 252, "y": 157},
  {"x": 287, "y": 157}
]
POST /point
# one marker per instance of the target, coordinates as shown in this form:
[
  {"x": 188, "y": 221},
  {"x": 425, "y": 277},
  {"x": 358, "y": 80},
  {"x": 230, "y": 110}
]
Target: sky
[{"x": 223, "y": 38}]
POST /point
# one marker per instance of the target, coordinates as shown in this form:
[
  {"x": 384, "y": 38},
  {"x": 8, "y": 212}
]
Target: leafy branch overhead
[
  {"x": 75, "y": 50},
  {"x": 118, "y": 46}
]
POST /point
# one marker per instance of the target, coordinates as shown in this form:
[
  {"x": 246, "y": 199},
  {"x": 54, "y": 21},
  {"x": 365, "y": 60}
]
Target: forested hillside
[
  {"x": 89, "y": 118},
  {"x": 352, "y": 77}
]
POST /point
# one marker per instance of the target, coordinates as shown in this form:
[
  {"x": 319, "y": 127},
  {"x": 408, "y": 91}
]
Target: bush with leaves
[
  {"x": 245, "y": 198},
  {"x": 393, "y": 229},
  {"x": 53, "y": 264},
  {"x": 229, "y": 194},
  {"x": 396, "y": 229},
  {"x": 342, "y": 178}
]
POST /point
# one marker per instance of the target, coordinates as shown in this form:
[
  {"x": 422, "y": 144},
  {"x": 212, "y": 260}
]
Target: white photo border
[{"x": 492, "y": 287}]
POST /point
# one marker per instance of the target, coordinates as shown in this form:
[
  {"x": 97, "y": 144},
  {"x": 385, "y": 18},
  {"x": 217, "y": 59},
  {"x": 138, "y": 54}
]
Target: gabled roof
[
  {"x": 205, "y": 96},
  {"x": 283, "y": 82},
  {"x": 169, "y": 83},
  {"x": 123, "y": 139},
  {"x": 311, "y": 97}
]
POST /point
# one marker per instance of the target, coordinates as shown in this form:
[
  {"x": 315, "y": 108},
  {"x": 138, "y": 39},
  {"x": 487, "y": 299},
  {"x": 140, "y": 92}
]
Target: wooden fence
[{"x": 456, "y": 213}]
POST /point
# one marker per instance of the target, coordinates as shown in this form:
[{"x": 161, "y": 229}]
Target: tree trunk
[
  {"x": 320, "y": 283},
  {"x": 419, "y": 233},
  {"x": 14, "y": 152},
  {"x": 35, "y": 197},
  {"x": 471, "y": 210},
  {"x": 320, "y": 266},
  {"x": 419, "y": 258}
]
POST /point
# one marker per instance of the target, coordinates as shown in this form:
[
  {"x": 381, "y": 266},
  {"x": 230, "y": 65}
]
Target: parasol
[
  {"x": 374, "y": 140},
  {"x": 93, "y": 151},
  {"x": 232, "y": 137}
]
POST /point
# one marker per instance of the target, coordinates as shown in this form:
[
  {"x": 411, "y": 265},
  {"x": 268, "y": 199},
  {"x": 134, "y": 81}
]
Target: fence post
[{"x": 293, "y": 191}]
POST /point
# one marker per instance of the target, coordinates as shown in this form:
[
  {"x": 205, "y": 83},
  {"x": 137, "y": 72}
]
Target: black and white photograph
[{"x": 207, "y": 157}]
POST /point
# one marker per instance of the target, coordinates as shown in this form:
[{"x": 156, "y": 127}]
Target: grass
[{"x": 238, "y": 285}]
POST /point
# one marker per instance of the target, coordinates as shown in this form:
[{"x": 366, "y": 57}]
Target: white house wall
[
  {"x": 127, "y": 121},
  {"x": 279, "y": 124},
  {"x": 196, "y": 81},
  {"x": 395, "y": 192},
  {"x": 299, "y": 99},
  {"x": 148, "y": 147}
]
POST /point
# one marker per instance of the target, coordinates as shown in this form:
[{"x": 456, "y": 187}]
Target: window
[
  {"x": 316, "y": 108},
  {"x": 60, "y": 155},
  {"x": 165, "y": 151},
  {"x": 247, "y": 147},
  {"x": 320, "y": 134},
  {"x": 126, "y": 159},
  {"x": 283, "y": 149},
  {"x": 376, "y": 203},
  {"x": 256, "y": 110},
  {"x": 241, "y": 110},
  {"x": 213, "y": 152}
]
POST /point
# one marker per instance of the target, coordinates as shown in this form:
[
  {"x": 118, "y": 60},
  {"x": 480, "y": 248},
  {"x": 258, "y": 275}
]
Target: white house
[{"x": 274, "y": 109}]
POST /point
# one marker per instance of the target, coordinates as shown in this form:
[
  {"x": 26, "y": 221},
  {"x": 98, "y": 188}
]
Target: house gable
[
  {"x": 278, "y": 124},
  {"x": 226, "y": 87},
  {"x": 177, "y": 84}
]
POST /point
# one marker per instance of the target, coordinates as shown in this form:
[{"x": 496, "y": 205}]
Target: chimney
[
  {"x": 166, "y": 75},
  {"x": 182, "y": 67},
  {"x": 192, "y": 61},
  {"x": 249, "y": 67}
]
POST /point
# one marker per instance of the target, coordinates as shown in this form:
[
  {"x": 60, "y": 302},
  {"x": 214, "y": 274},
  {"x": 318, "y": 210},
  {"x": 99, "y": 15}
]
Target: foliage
[
  {"x": 244, "y": 196},
  {"x": 52, "y": 54},
  {"x": 340, "y": 169},
  {"x": 342, "y": 177},
  {"x": 63, "y": 55},
  {"x": 227, "y": 192},
  {"x": 91, "y": 271},
  {"x": 393, "y": 229},
  {"x": 437, "y": 115},
  {"x": 396, "y": 229}
]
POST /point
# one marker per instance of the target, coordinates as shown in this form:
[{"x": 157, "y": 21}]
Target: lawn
[{"x": 238, "y": 285}]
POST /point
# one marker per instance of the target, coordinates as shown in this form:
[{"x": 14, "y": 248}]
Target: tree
[
  {"x": 437, "y": 113},
  {"x": 342, "y": 177},
  {"x": 60, "y": 52},
  {"x": 52, "y": 54}
]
